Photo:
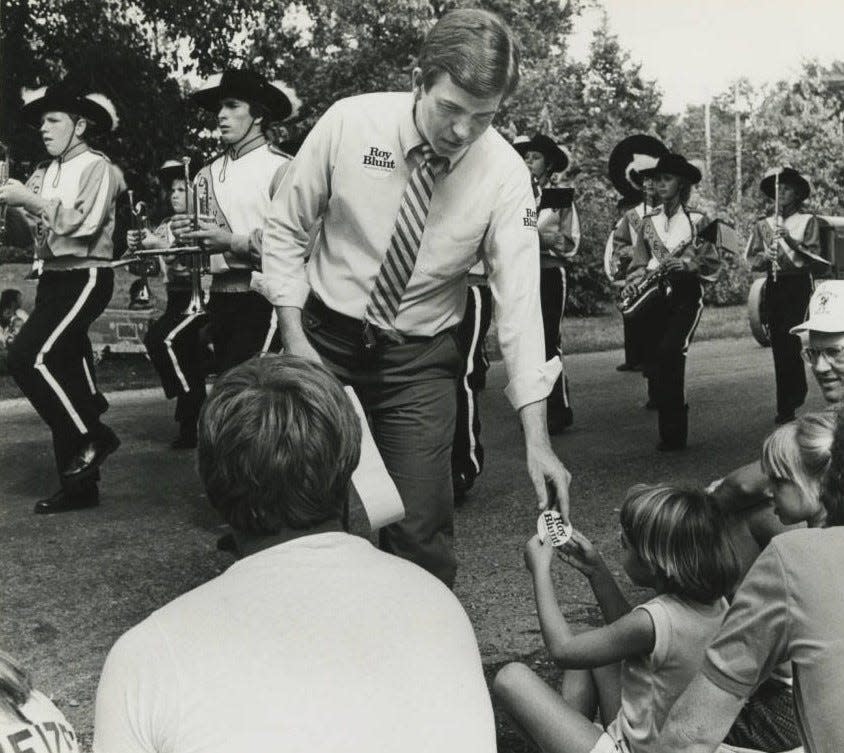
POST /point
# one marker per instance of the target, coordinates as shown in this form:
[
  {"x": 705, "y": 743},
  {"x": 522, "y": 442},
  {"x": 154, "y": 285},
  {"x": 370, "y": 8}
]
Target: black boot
[{"x": 673, "y": 429}]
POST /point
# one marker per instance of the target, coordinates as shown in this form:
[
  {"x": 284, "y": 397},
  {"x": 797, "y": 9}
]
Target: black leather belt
[{"x": 369, "y": 335}]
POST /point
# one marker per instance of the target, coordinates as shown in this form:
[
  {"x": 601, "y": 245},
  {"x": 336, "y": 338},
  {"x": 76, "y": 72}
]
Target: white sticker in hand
[{"x": 551, "y": 528}]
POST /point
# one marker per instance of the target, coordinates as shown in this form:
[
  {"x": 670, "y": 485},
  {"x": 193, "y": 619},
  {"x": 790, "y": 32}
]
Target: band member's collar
[
  {"x": 236, "y": 151},
  {"x": 74, "y": 151}
]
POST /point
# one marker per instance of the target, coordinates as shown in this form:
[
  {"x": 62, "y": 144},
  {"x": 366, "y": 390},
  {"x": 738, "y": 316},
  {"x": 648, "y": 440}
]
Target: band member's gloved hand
[
  {"x": 211, "y": 237},
  {"x": 179, "y": 224},
  {"x": 771, "y": 253},
  {"x": 672, "y": 264},
  {"x": 134, "y": 239},
  {"x": 628, "y": 290},
  {"x": 15, "y": 194}
]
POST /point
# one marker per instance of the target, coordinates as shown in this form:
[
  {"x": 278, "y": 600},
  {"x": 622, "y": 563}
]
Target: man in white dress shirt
[{"x": 412, "y": 190}]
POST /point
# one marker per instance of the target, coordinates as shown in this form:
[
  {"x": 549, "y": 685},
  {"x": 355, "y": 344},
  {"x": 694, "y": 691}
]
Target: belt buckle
[{"x": 369, "y": 338}]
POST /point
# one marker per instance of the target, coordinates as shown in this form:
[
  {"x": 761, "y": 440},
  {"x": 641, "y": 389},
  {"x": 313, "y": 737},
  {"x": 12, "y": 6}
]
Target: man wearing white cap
[
  {"x": 825, "y": 328},
  {"x": 69, "y": 202},
  {"x": 824, "y": 350}
]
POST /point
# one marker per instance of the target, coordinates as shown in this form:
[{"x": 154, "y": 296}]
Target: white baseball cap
[{"x": 826, "y": 309}]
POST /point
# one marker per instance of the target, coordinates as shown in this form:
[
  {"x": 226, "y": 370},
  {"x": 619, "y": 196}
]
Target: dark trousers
[
  {"x": 632, "y": 341},
  {"x": 408, "y": 392},
  {"x": 552, "y": 295},
  {"x": 467, "y": 455},
  {"x": 787, "y": 300},
  {"x": 241, "y": 326},
  {"x": 52, "y": 361},
  {"x": 670, "y": 323},
  {"x": 173, "y": 345}
]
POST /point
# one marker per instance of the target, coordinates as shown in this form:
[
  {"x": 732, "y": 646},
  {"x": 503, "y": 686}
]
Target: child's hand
[
  {"x": 538, "y": 556},
  {"x": 581, "y": 554}
]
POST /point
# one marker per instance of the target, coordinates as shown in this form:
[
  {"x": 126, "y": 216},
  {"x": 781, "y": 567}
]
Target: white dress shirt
[{"x": 352, "y": 171}]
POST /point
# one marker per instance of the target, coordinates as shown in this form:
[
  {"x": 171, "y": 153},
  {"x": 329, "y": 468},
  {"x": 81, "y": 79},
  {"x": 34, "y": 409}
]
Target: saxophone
[{"x": 654, "y": 280}]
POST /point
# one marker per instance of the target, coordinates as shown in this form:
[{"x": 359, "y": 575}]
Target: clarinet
[{"x": 4, "y": 178}]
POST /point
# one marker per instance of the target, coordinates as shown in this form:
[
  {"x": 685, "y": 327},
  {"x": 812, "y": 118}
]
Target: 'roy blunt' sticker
[{"x": 551, "y": 528}]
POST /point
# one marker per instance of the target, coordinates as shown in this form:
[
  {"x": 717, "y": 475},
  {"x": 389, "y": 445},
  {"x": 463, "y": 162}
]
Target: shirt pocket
[{"x": 449, "y": 253}]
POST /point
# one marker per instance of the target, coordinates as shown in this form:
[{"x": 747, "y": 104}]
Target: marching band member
[
  {"x": 627, "y": 159},
  {"x": 241, "y": 183},
  {"x": 787, "y": 247},
  {"x": 467, "y": 452},
  {"x": 70, "y": 202},
  {"x": 172, "y": 341},
  {"x": 559, "y": 238},
  {"x": 671, "y": 253}
]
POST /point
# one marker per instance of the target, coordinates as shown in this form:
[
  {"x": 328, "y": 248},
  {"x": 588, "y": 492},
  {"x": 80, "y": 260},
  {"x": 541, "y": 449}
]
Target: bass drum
[{"x": 757, "y": 312}]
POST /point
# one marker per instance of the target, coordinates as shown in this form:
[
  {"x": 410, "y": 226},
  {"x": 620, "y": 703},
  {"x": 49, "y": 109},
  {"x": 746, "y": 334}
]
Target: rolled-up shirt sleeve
[
  {"x": 753, "y": 638},
  {"x": 297, "y": 205},
  {"x": 511, "y": 250}
]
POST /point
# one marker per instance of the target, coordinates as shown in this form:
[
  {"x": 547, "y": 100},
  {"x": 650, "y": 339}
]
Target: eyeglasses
[{"x": 832, "y": 355}]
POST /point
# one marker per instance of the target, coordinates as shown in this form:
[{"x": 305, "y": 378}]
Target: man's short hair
[
  {"x": 278, "y": 441},
  {"x": 476, "y": 48}
]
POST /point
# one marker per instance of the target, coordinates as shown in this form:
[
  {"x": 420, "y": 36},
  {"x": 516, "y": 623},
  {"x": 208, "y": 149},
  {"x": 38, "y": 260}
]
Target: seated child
[
  {"x": 28, "y": 719},
  {"x": 12, "y": 315},
  {"x": 631, "y": 670}
]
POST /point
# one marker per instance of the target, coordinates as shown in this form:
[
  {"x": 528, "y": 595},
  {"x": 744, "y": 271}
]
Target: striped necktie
[{"x": 397, "y": 266}]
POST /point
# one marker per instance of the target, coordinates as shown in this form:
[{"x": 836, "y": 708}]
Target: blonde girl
[{"x": 631, "y": 670}]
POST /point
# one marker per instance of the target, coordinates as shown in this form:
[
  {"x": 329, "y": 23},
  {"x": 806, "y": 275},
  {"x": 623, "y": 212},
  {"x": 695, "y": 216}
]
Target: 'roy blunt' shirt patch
[
  {"x": 379, "y": 159},
  {"x": 530, "y": 217}
]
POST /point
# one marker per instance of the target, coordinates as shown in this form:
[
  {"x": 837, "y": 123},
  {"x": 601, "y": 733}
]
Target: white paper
[{"x": 375, "y": 487}]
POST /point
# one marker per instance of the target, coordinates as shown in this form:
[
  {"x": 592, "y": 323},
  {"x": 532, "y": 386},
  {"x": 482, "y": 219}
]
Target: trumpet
[{"x": 197, "y": 262}]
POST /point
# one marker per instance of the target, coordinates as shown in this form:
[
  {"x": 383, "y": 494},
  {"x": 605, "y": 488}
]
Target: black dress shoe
[
  {"x": 628, "y": 367},
  {"x": 650, "y": 405},
  {"x": 85, "y": 463},
  {"x": 184, "y": 442},
  {"x": 461, "y": 483},
  {"x": 227, "y": 543},
  {"x": 783, "y": 418},
  {"x": 64, "y": 501}
]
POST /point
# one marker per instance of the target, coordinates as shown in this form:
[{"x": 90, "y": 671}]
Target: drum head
[{"x": 757, "y": 312}]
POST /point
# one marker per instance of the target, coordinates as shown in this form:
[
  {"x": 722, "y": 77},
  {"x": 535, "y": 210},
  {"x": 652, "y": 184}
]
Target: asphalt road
[{"x": 73, "y": 583}]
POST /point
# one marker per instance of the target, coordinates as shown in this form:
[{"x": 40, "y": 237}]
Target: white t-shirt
[
  {"x": 322, "y": 644},
  {"x": 651, "y": 684},
  {"x": 47, "y": 731}
]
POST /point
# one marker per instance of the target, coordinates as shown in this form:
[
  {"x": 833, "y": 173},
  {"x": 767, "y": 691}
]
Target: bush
[{"x": 732, "y": 286}]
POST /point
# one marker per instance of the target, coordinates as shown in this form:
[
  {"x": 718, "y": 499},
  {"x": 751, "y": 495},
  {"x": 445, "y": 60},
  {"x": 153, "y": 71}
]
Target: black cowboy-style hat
[
  {"x": 70, "y": 97},
  {"x": 556, "y": 157},
  {"x": 629, "y": 158},
  {"x": 674, "y": 164},
  {"x": 786, "y": 175},
  {"x": 248, "y": 86}
]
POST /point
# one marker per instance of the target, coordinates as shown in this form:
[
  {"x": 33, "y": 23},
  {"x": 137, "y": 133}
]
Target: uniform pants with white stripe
[
  {"x": 787, "y": 300},
  {"x": 51, "y": 357},
  {"x": 670, "y": 323},
  {"x": 173, "y": 345},
  {"x": 241, "y": 325},
  {"x": 467, "y": 454},
  {"x": 552, "y": 295}
]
